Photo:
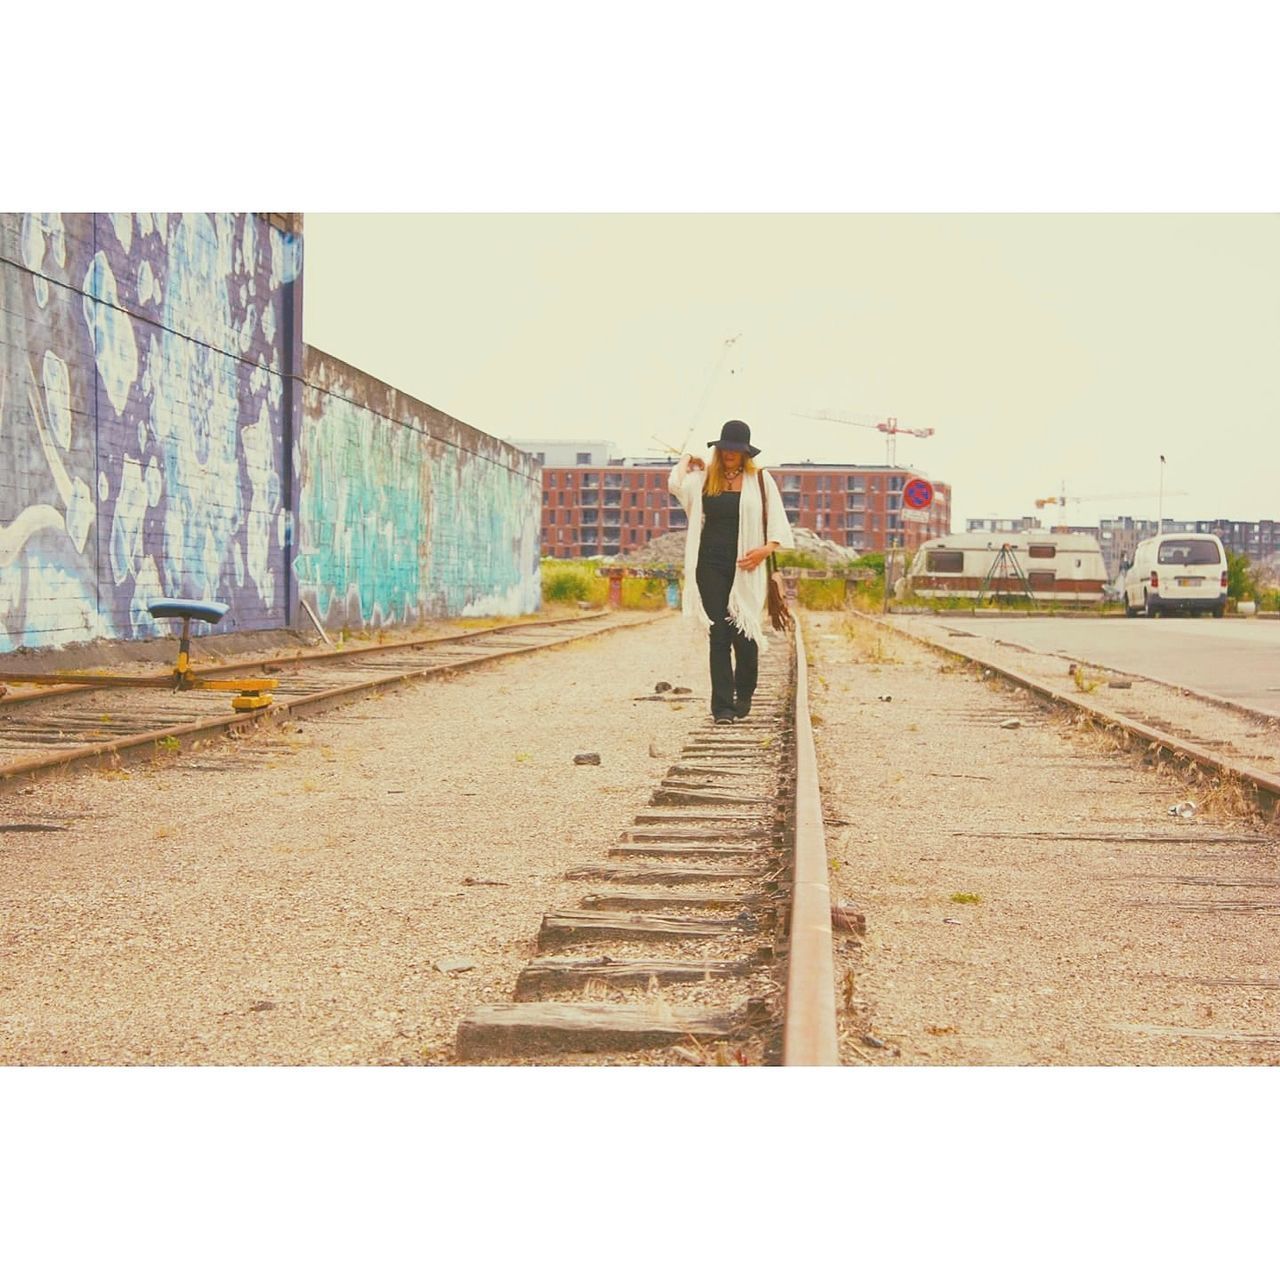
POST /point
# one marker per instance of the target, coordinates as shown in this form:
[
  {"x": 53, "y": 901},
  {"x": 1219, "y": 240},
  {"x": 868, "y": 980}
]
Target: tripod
[{"x": 1004, "y": 567}]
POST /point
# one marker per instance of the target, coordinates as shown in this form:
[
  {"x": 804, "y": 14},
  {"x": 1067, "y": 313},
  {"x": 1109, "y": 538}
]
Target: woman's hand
[
  {"x": 756, "y": 556},
  {"x": 694, "y": 464}
]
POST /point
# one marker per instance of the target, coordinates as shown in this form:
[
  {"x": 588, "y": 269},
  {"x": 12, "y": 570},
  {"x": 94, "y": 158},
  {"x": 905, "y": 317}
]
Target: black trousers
[{"x": 735, "y": 658}]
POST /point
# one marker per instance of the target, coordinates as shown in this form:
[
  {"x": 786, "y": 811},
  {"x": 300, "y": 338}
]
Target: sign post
[{"x": 917, "y": 498}]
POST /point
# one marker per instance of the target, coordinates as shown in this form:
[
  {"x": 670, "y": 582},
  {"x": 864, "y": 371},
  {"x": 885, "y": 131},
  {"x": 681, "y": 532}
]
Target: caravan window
[
  {"x": 1042, "y": 580},
  {"x": 1188, "y": 551},
  {"x": 944, "y": 562},
  {"x": 1042, "y": 551}
]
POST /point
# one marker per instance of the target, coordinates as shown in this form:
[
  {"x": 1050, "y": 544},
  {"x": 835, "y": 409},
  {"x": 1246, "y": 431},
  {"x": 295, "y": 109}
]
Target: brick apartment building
[{"x": 594, "y": 508}]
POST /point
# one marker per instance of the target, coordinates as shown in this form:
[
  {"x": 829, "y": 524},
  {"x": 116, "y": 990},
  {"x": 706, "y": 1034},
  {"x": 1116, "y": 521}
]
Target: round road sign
[{"x": 917, "y": 494}]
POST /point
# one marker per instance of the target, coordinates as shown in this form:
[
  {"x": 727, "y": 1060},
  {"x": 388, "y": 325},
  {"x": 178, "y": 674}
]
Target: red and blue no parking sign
[{"x": 917, "y": 494}]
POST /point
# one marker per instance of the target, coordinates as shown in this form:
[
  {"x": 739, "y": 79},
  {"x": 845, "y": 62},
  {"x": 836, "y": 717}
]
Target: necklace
[{"x": 730, "y": 476}]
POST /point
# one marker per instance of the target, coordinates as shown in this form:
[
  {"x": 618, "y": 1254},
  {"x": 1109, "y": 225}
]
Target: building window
[
  {"x": 584, "y": 459},
  {"x": 542, "y": 459}
]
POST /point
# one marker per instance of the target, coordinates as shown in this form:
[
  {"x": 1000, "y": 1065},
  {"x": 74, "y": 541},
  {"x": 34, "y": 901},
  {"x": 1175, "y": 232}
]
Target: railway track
[
  {"x": 1262, "y": 787},
  {"x": 704, "y": 930},
  {"x": 76, "y": 725}
]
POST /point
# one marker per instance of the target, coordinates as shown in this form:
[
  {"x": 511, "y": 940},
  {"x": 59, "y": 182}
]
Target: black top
[{"x": 719, "y": 544}]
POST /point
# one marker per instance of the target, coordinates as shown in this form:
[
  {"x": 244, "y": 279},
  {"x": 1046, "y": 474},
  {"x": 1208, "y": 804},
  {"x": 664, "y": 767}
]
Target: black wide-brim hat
[{"x": 736, "y": 437}]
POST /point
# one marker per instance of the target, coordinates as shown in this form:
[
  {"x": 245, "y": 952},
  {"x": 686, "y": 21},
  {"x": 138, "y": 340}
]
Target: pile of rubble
[{"x": 669, "y": 550}]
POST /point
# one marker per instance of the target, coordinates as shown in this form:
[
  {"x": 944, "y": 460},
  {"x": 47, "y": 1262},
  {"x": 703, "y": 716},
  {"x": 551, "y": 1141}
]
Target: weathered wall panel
[
  {"x": 146, "y": 420},
  {"x": 152, "y": 443},
  {"x": 406, "y": 513}
]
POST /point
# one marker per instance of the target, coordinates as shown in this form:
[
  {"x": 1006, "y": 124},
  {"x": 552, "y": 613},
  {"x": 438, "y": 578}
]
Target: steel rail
[
  {"x": 809, "y": 1037},
  {"x": 1267, "y": 785},
  {"x": 287, "y": 707},
  {"x": 16, "y": 696}
]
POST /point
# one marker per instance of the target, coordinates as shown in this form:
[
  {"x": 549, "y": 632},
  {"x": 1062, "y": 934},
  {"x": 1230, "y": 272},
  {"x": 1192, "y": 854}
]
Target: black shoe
[
  {"x": 741, "y": 710},
  {"x": 724, "y": 717}
]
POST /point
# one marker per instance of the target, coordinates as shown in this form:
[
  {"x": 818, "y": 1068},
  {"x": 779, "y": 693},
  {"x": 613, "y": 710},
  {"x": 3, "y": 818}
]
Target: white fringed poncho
[{"x": 747, "y": 596}]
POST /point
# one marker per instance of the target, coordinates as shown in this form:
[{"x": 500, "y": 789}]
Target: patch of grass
[
  {"x": 523, "y": 757},
  {"x": 971, "y": 898},
  {"x": 169, "y": 743},
  {"x": 162, "y": 833}
]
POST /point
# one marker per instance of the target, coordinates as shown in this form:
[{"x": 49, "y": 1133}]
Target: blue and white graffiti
[
  {"x": 142, "y": 420},
  {"x": 405, "y": 513}
]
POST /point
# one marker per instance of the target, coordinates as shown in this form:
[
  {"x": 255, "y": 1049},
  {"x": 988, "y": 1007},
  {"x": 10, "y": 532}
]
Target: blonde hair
[{"x": 715, "y": 482}]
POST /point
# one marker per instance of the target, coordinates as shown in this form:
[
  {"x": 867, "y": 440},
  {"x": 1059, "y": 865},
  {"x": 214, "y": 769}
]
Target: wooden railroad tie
[
  {"x": 520, "y": 1030},
  {"x": 561, "y": 973}
]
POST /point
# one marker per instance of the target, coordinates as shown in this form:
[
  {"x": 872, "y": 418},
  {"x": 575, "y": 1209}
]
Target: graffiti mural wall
[
  {"x": 405, "y": 512},
  {"x": 147, "y": 420}
]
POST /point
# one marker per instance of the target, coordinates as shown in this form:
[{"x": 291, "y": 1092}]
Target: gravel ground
[
  {"x": 284, "y": 900},
  {"x": 988, "y": 943},
  {"x": 1237, "y": 735}
]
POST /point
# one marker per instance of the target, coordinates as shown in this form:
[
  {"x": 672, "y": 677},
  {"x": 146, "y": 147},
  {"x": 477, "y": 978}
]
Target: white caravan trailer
[{"x": 1063, "y": 568}]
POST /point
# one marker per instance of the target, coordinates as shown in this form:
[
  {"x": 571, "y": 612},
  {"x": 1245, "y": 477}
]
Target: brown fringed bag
[{"x": 776, "y": 598}]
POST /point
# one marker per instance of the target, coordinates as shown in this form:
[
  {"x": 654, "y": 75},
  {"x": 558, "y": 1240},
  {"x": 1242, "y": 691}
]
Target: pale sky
[{"x": 1044, "y": 349}]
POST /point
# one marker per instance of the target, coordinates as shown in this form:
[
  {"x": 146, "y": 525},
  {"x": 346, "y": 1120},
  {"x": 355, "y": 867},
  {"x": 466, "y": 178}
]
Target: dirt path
[{"x": 1026, "y": 901}]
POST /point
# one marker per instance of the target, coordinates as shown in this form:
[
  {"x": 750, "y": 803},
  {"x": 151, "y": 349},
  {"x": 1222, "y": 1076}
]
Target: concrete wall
[
  {"x": 148, "y": 412},
  {"x": 405, "y": 512}
]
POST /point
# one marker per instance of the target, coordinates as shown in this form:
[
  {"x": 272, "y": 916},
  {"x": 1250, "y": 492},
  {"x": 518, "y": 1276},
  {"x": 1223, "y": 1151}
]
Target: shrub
[
  {"x": 1241, "y": 581},
  {"x": 644, "y": 593},
  {"x": 820, "y": 593},
  {"x": 565, "y": 580},
  {"x": 789, "y": 559}
]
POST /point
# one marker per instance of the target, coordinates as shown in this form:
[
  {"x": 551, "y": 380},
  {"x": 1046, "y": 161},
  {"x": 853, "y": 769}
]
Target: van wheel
[
  {"x": 1219, "y": 610},
  {"x": 1129, "y": 610},
  {"x": 1151, "y": 610}
]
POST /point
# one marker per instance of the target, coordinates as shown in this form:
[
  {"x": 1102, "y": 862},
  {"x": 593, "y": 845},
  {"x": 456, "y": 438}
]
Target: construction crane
[
  {"x": 889, "y": 427},
  {"x": 1062, "y": 499}
]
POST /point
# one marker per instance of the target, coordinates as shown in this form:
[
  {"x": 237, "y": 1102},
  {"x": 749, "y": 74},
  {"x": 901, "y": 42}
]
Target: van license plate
[{"x": 1189, "y": 582}]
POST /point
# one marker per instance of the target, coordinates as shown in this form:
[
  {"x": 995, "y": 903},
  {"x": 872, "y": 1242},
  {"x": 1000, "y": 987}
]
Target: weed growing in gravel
[
  {"x": 169, "y": 743},
  {"x": 523, "y": 757},
  {"x": 868, "y": 642},
  {"x": 1085, "y": 679},
  {"x": 971, "y": 898}
]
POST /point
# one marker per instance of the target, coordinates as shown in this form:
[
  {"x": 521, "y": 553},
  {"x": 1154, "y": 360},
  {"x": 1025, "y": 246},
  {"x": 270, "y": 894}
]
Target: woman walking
[{"x": 725, "y": 555}]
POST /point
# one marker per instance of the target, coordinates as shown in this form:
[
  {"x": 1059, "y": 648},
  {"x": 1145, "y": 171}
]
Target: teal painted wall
[{"x": 406, "y": 513}]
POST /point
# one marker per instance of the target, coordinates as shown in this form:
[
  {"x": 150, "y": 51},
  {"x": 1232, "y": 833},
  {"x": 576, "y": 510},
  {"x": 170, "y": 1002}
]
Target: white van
[{"x": 1177, "y": 573}]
